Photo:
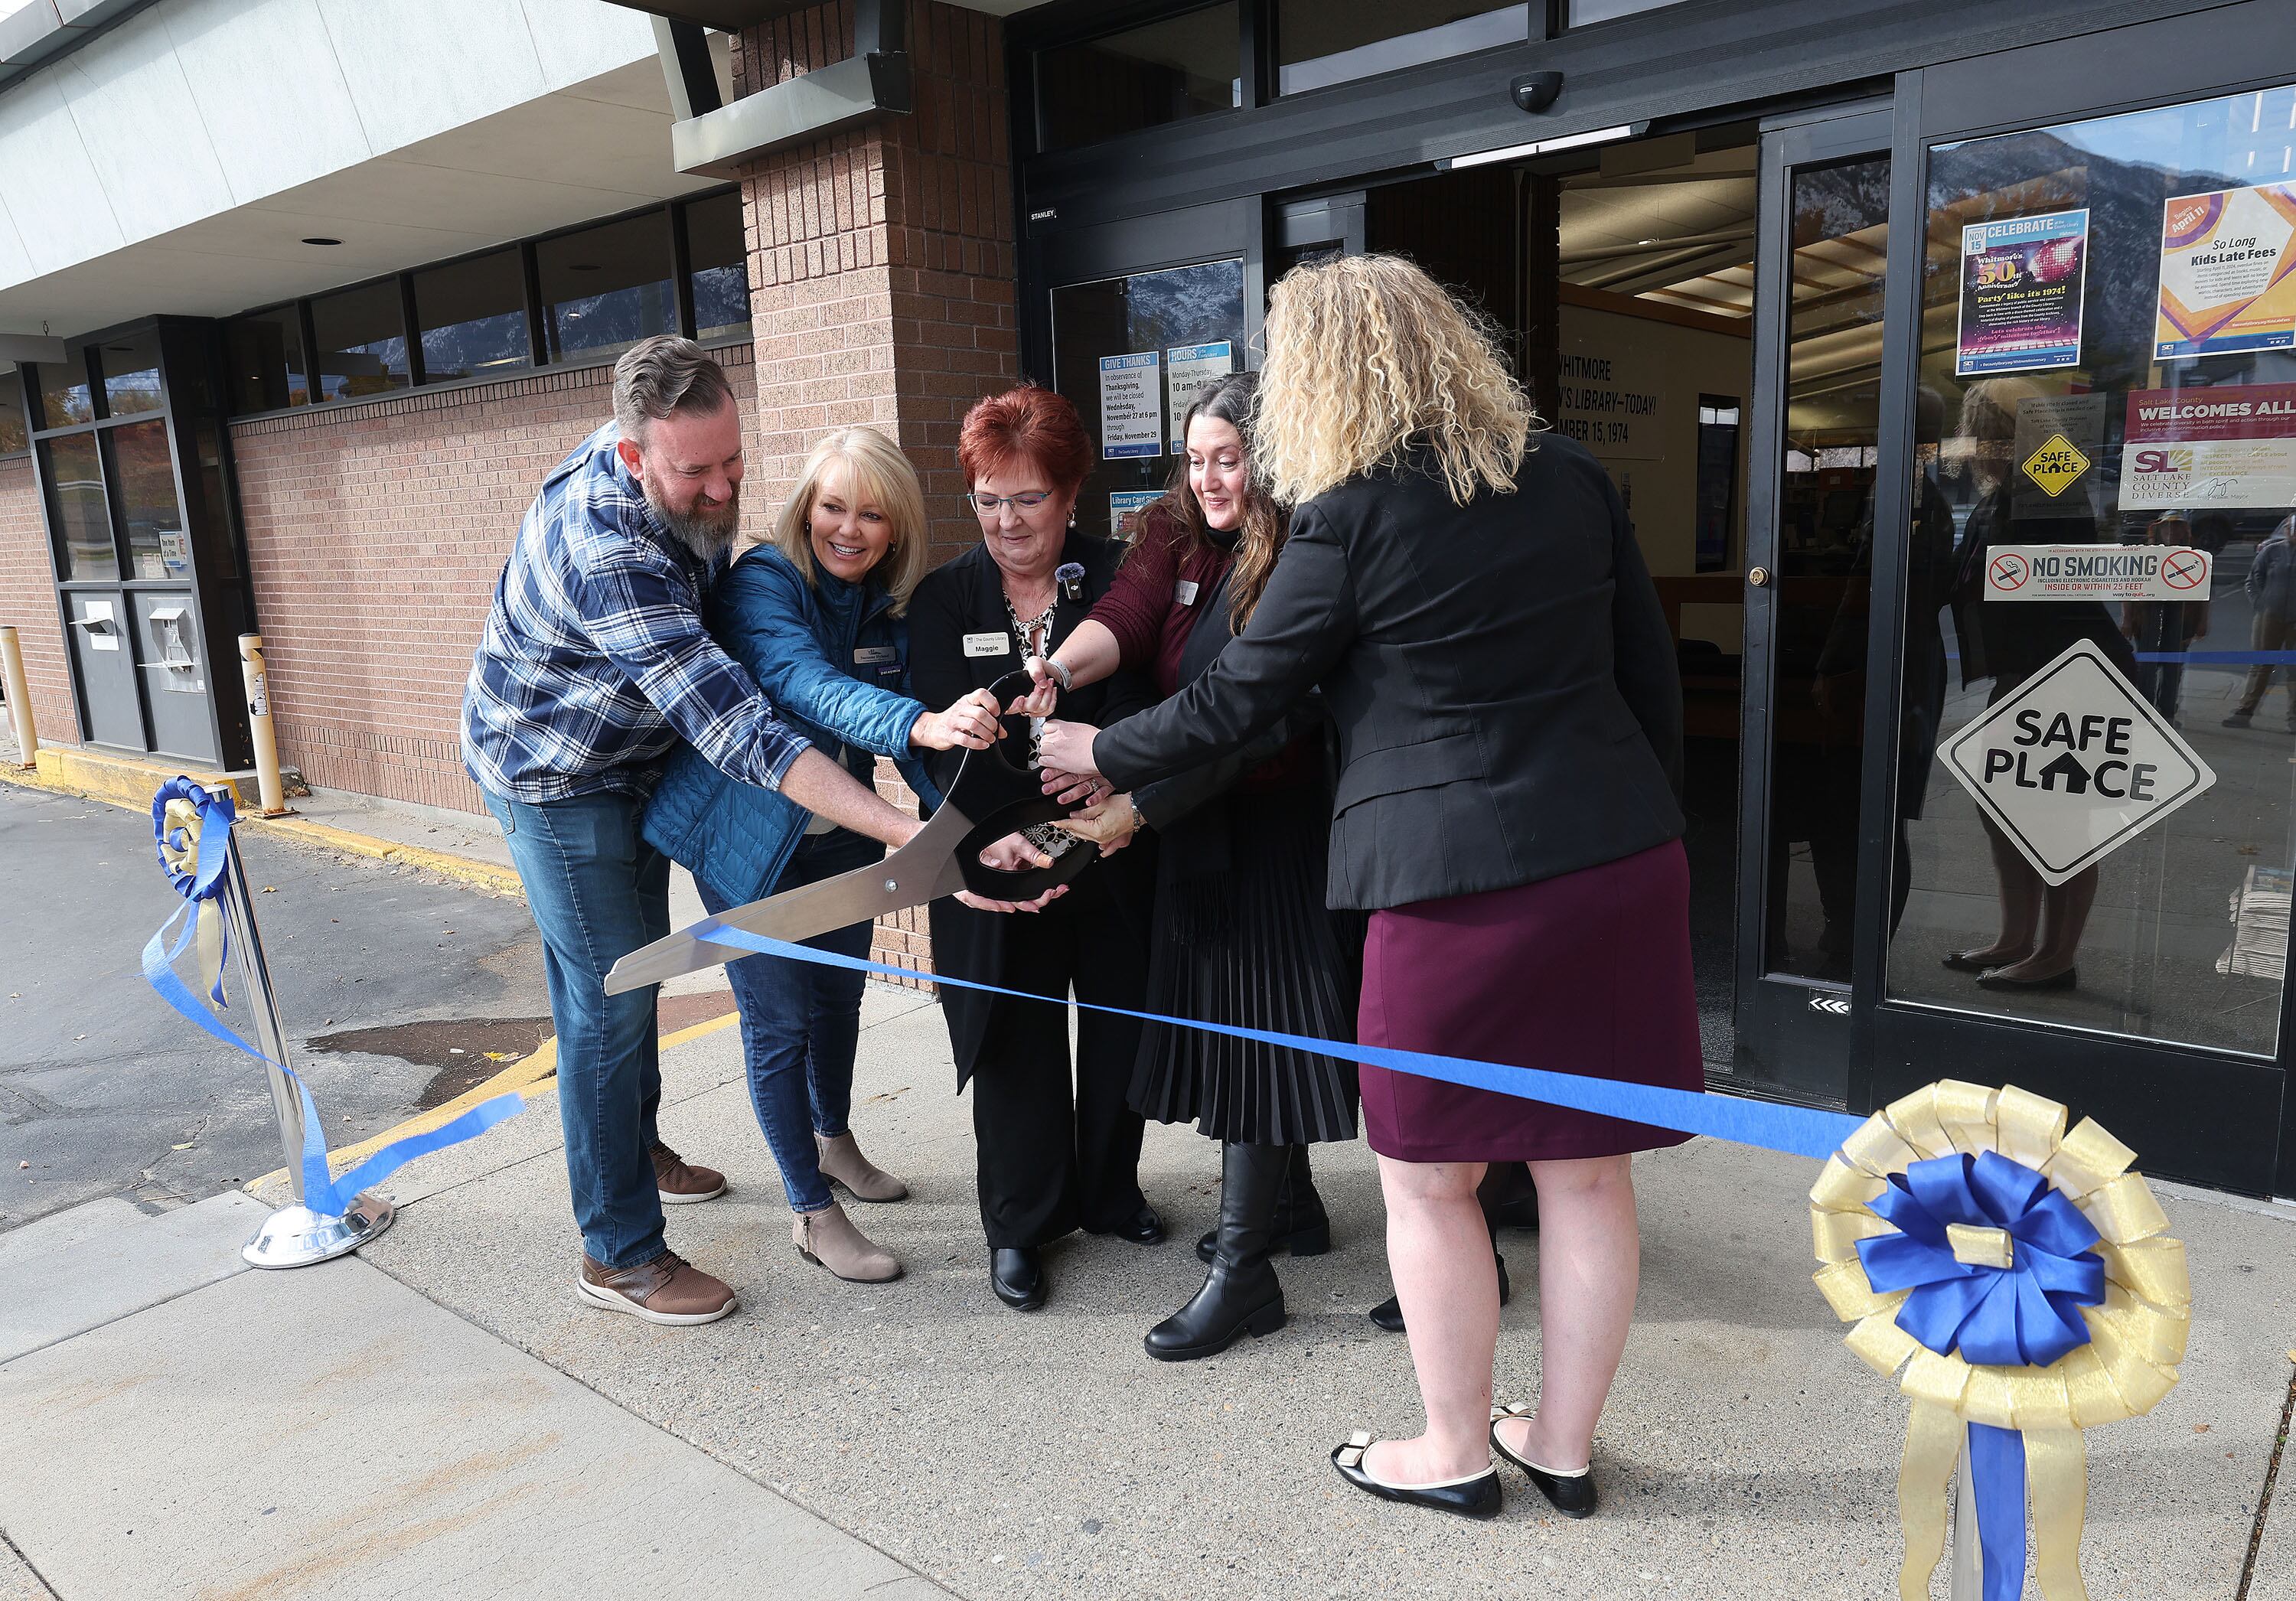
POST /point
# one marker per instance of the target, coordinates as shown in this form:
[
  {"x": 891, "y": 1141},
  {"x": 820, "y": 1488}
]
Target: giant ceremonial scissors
[{"x": 995, "y": 794}]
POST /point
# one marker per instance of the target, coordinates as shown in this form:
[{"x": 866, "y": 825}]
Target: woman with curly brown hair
[
  {"x": 1241, "y": 933},
  {"x": 1502, "y": 677}
]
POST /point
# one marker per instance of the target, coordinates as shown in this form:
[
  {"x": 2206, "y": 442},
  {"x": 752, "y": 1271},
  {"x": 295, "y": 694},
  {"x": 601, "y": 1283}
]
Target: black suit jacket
[
  {"x": 1501, "y": 675},
  {"x": 965, "y": 597}
]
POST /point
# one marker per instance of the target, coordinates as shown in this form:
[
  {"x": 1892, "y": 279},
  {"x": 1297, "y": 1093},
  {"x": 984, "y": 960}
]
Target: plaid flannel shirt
[{"x": 595, "y": 661}]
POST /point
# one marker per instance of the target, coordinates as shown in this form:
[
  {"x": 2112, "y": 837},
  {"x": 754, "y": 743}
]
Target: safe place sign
[{"x": 2075, "y": 764}]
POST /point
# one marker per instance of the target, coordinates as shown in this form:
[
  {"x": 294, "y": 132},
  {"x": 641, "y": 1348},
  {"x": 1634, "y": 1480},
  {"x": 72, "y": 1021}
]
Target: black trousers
[{"x": 1059, "y": 1149}]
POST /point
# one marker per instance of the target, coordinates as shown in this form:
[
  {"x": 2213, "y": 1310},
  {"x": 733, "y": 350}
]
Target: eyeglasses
[{"x": 988, "y": 504}]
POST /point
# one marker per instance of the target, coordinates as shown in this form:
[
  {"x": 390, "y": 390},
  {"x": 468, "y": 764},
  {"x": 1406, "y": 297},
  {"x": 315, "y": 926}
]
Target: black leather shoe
[
  {"x": 1241, "y": 1295},
  {"x": 1970, "y": 961},
  {"x": 1301, "y": 1224},
  {"x": 1143, "y": 1227},
  {"x": 1572, "y": 1494},
  {"x": 1508, "y": 1197},
  {"x": 1388, "y": 1313},
  {"x": 1018, "y": 1276},
  {"x": 1476, "y": 1496}
]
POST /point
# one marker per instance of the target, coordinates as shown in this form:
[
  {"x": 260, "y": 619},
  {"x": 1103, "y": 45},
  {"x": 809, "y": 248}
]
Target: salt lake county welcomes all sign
[
  {"x": 2048, "y": 572},
  {"x": 2075, "y": 763}
]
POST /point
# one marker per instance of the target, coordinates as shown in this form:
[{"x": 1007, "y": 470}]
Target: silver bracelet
[{"x": 1060, "y": 670}]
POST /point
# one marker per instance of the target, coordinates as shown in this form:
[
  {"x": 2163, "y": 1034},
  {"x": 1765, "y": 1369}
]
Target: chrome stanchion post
[{"x": 293, "y": 1236}]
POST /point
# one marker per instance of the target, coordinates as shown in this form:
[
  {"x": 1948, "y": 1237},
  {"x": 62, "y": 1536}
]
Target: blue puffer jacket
[{"x": 834, "y": 663}]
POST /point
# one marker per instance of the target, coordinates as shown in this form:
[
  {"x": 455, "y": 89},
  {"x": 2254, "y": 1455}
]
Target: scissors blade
[{"x": 925, "y": 869}]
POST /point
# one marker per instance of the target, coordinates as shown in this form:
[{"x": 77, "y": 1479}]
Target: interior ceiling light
[
  {"x": 581, "y": 267},
  {"x": 321, "y": 239},
  {"x": 1540, "y": 147}
]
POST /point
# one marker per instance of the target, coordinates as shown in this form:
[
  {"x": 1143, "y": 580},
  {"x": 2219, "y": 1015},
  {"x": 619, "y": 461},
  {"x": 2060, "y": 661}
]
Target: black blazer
[
  {"x": 964, "y": 596},
  {"x": 1501, "y": 675}
]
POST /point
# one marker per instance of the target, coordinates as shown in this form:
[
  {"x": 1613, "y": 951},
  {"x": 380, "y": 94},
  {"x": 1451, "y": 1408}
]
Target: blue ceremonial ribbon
[
  {"x": 327, "y": 1196},
  {"x": 1767, "y": 1125},
  {"x": 201, "y": 884},
  {"x": 2026, "y": 1314}
]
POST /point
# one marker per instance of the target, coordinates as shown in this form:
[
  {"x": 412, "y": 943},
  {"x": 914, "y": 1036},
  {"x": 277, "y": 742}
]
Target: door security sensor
[{"x": 1535, "y": 92}]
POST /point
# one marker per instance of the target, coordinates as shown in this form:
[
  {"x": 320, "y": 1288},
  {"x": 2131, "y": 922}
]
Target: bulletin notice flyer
[
  {"x": 2227, "y": 273},
  {"x": 2023, "y": 281}
]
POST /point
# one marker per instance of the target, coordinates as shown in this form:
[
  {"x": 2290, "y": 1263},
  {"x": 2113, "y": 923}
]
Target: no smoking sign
[
  {"x": 2074, "y": 764},
  {"x": 2105, "y": 572}
]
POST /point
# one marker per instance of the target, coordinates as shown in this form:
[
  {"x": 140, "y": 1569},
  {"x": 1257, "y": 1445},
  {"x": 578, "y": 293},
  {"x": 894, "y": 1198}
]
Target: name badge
[
  {"x": 869, "y": 655},
  {"x": 1185, "y": 591},
  {"x": 988, "y": 644}
]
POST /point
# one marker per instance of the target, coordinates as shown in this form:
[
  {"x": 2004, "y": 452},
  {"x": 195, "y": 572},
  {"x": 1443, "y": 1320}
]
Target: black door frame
[
  {"x": 1794, "y": 1036},
  {"x": 1053, "y": 258},
  {"x": 2218, "y": 1117}
]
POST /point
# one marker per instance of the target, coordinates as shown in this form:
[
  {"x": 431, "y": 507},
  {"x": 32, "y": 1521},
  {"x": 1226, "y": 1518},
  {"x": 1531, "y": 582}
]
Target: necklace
[{"x": 1035, "y": 637}]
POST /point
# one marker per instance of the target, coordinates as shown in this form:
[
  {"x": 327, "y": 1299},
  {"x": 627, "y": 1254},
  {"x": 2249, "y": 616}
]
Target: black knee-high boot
[
  {"x": 1241, "y": 1293},
  {"x": 1300, "y": 1224}
]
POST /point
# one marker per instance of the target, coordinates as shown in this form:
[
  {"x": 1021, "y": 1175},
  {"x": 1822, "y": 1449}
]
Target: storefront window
[
  {"x": 1324, "y": 42},
  {"x": 1578, "y": 13},
  {"x": 265, "y": 356},
  {"x": 131, "y": 375},
  {"x": 62, "y": 388},
  {"x": 2101, "y": 598},
  {"x": 157, "y": 546},
  {"x": 718, "y": 256},
  {"x": 472, "y": 316},
  {"x": 1182, "y": 67},
  {"x": 1133, "y": 353},
  {"x": 76, "y": 513},
  {"x": 604, "y": 288},
  {"x": 362, "y": 338}
]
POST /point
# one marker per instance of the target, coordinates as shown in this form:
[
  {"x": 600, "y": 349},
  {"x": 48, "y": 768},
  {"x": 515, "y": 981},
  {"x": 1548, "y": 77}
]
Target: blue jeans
[
  {"x": 598, "y": 891},
  {"x": 801, "y": 1025}
]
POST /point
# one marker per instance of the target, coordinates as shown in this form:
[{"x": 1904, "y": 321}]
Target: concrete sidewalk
[{"x": 442, "y": 1418}]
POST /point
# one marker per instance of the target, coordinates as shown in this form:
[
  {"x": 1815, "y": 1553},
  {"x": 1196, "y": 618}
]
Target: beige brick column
[{"x": 881, "y": 278}]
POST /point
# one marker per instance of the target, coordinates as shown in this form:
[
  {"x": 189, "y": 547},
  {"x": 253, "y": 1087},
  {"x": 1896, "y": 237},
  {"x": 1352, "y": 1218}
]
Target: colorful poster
[
  {"x": 2022, "y": 286},
  {"x": 1124, "y": 509},
  {"x": 2232, "y": 445},
  {"x": 1189, "y": 370},
  {"x": 2227, "y": 273},
  {"x": 1131, "y": 404}
]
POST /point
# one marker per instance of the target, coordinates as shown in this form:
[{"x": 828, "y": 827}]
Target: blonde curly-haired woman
[{"x": 1473, "y": 605}]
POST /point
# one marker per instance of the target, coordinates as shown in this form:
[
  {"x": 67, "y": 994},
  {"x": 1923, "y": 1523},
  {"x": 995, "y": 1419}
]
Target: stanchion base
[{"x": 296, "y": 1236}]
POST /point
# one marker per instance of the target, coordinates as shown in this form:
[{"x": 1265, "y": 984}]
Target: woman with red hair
[{"x": 1056, "y": 1153}]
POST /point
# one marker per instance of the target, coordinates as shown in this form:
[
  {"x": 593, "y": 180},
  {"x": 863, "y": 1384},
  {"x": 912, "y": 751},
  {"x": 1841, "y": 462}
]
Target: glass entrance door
[
  {"x": 1144, "y": 316},
  {"x": 2099, "y": 838},
  {"x": 1822, "y": 247}
]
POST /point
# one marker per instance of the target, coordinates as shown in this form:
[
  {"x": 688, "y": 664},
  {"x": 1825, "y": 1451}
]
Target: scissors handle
[{"x": 1004, "y": 795}]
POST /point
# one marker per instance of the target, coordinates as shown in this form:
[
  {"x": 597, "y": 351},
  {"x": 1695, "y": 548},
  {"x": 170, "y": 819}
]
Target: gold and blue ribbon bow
[
  {"x": 2022, "y": 1280},
  {"x": 193, "y": 825}
]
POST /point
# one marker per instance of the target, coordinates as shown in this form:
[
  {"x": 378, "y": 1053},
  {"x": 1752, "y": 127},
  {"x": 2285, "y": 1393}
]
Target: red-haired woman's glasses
[{"x": 988, "y": 504}]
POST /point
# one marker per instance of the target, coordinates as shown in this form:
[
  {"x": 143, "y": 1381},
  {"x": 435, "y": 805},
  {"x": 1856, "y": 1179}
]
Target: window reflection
[
  {"x": 362, "y": 338},
  {"x": 153, "y": 522},
  {"x": 1325, "y": 42},
  {"x": 1182, "y": 67},
  {"x": 472, "y": 315},
  {"x": 605, "y": 289},
  {"x": 131, "y": 373},
  {"x": 2106, "y": 368},
  {"x": 64, "y": 395},
  {"x": 12, "y": 431},
  {"x": 76, "y": 510},
  {"x": 718, "y": 257},
  {"x": 265, "y": 356}
]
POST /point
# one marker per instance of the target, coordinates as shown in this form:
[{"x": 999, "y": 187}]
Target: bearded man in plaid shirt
[{"x": 594, "y": 663}]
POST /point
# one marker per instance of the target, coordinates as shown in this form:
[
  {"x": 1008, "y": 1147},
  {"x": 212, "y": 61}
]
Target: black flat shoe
[
  {"x": 1970, "y": 961},
  {"x": 1143, "y": 1227},
  {"x": 1998, "y": 980},
  {"x": 1476, "y": 1496},
  {"x": 1388, "y": 1313},
  {"x": 1018, "y": 1277},
  {"x": 1572, "y": 1494}
]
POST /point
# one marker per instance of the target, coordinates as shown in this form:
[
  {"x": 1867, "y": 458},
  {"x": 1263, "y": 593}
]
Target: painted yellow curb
[
  {"x": 523, "y": 1074},
  {"x": 118, "y": 779},
  {"x": 493, "y": 876}
]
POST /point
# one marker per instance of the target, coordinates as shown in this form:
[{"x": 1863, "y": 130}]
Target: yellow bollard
[
  {"x": 273, "y": 792},
  {"x": 19, "y": 696}
]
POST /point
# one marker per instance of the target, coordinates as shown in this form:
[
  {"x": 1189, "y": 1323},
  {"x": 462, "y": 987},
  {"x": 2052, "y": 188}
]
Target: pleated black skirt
[{"x": 1255, "y": 947}]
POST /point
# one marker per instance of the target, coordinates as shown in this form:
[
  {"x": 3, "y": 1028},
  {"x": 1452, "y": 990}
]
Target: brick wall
[
  {"x": 881, "y": 261},
  {"x": 375, "y": 533},
  {"x": 27, "y": 600}
]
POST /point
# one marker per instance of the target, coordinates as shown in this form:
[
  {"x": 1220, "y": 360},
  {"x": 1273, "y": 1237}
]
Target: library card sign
[{"x": 2075, "y": 763}]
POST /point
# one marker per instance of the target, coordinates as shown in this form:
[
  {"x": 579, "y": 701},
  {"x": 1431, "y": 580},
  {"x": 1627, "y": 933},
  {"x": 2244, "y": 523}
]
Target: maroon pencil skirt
[{"x": 1586, "y": 973}]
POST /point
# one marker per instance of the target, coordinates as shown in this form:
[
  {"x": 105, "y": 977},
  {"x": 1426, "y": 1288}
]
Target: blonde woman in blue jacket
[{"x": 815, "y": 614}]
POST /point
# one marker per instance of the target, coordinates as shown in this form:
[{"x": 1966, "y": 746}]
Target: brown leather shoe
[
  {"x": 842, "y": 1164},
  {"x": 681, "y": 1184},
  {"x": 668, "y": 1289}
]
